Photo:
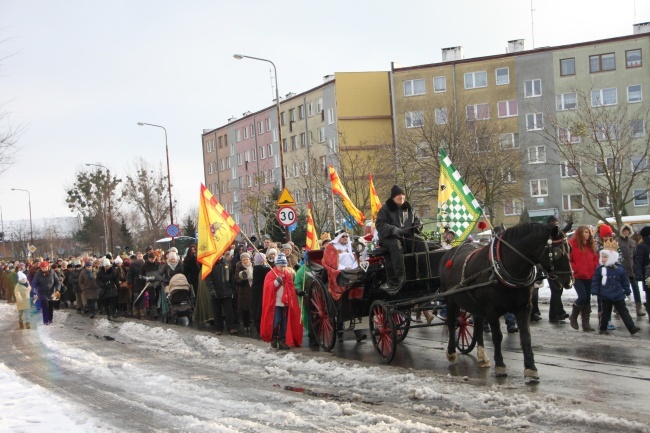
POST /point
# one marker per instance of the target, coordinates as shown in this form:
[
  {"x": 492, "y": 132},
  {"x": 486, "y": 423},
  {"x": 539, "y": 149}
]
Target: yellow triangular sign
[{"x": 286, "y": 199}]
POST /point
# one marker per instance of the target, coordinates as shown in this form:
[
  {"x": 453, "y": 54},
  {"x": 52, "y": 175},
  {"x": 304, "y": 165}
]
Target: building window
[
  {"x": 303, "y": 139},
  {"x": 220, "y": 142},
  {"x": 223, "y": 165},
  {"x": 606, "y": 132},
  {"x": 245, "y": 132},
  {"x": 503, "y": 76},
  {"x": 414, "y": 87},
  {"x": 567, "y": 67},
  {"x": 633, "y": 58},
  {"x": 249, "y": 180},
  {"x": 294, "y": 142},
  {"x": 275, "y": 134},
  {"x": 534, "y": 121},
  {"x": 634, "y": 93},
  {"x": 538, "y": 188},
  {"x": 474, "y": 80},
  {"x": 509, "y": 141},
  {"x": 478, "y": 112},
  {"x": 319, "y": 105},
  {"x": 508, "y": 108},
  {"x": 247, "y": 156},
  {"x": 513, "y": 207},
  {"x": 414, "y": 119},
  {"x": 241, "y": 181},
  {"x": 208, "y": 147},
  {"x": 602, "y": 97},
  {"x": 238, "y": 135},
  {"x": 609, "y": 161},
  {"x": 321, "y": 135},
  {"x": 270, "y": 150},
  {"x": 261, "y": 153},
  {"x": 284, "y": 145},
  {"x": 301, "y": 112},
  {"x": 568, "y": 169},
  {"x": 305, "y": 169},
  {"x": 268, "y": 123},
  {"x": 532, "y": 88},
  {"x": 441, "y": 116},
  {"x": 602, "y": 62},
  {"x": 508, "y": 175},
  {"x": 537, "y": 154},
  {"x": 271, "y": 176},
  {"x": 566, "y": 101},
  {"x": 296, "y": 169},
  {"x": 330, "y": 116},
  {"x": 640, "y": 197},
  {"x": 209, "y": 168},
  {"x": 239, "y": 160},
  {"x": 276, "y": 158},
  {"x": 637, "y": 128},
  {"x": 439, "y": 84},
  {"x": 282, "y": 119},
  {"x": 572, "y": 202},
  {"x": 332, "y": 145},
  {"x": 483, "y": 144},
  {"x": 292, "y": 114},
  {"x": 639, "y": 164},
  {"x": 603, "y": 200},
  {"x": 565, "y": 136},
  {"x": 310, "y": 109}
]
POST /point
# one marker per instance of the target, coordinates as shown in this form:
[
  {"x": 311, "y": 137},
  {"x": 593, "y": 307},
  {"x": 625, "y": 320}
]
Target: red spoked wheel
[
  {"x": 465, "y": 339},
  {"x": 402, "y": 323},
  {"x": 382, "y": 331},
  {"x": 322, "y": 315}
]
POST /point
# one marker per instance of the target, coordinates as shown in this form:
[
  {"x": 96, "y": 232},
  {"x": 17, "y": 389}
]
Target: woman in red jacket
[{"x": 584, "y": 260}]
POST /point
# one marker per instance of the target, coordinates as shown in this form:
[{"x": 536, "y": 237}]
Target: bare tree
[
  {"x": 9, "y": 135},
  {"x": 146, "y": 189},
  {"x": 602, "y": 150}
]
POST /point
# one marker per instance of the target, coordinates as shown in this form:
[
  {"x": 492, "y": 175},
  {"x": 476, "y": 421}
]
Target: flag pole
[{"x": 258, "y": 252}]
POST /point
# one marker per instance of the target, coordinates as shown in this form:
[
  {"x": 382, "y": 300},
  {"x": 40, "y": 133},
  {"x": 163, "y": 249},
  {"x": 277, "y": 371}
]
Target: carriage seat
[
  {"x": 315, "y": 260},
  {"x": 348, "y": 277}
]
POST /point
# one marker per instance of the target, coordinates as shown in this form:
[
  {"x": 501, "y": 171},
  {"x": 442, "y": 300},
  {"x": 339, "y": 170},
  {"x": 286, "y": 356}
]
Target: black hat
[
  {"x": 645, "y": 231},
  {"x": 396, "y": 190},
  {"x": 149, "y": 248},
  {"x": 551, "y": 219},
  {"x": 109, "y": 256}
]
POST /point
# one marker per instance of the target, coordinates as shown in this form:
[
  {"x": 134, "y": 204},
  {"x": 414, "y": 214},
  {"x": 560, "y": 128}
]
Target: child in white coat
[{"x": 21, "y": 292}]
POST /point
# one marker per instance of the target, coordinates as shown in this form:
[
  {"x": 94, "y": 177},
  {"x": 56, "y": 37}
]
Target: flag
[
  {"x": 375, "y": 204},
  {"x": 338, "y": 189},
  {"x": 217, "y": 231},
  {"x": 312, "y": 237},
  {"x": 457, "y": 207}
]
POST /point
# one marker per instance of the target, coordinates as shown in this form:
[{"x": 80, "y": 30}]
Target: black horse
[{"x": 500, "y": 277}]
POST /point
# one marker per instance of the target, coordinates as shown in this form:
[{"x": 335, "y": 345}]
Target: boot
[
  {"x": 639, "y": 310},
  {"x": 283, "y": 346},
  {"x": 274, "y": 343},
  {"x": 573, "y": 317},
  {"x": 586, "y": 327},
  {"x": 20, "y": 325},
  {"x": 27, "y": 325}
]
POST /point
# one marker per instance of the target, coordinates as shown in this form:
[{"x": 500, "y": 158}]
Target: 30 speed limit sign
[{"x": 287, "y": 216}]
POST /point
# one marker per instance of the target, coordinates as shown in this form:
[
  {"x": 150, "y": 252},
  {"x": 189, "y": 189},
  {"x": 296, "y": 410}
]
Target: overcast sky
[{"x": 81, "y": 74}]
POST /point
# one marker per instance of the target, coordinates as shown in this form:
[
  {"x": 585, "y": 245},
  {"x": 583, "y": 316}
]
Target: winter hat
[
  {"x": 118, "y": 260},
  {"x": 109, "y": 256},
  {"x": 173, "y": 250},
  {"x": 22, "y": 277},
  {"x": 281, "y": 260},
  {"x": 605, "y": 231},
  {"x": 259, "y": 258},
  {"x": 151, "y": 255},
  {"x": 645, "y": 232},
  {"x": 89, "y": 262},
  {"x": 172, "y": 256},
  {"x": 106, "y": 263},
  {"x": 272, "y": 251},
  {"x": 612, "y": 258},
  {"x": 127, "y": 263},
  {"x": 243, "y": 256},
  {"x": 286, "y": 247},
  {"x": 626, "y": 227},
  {"x": 396, "y": 190}
]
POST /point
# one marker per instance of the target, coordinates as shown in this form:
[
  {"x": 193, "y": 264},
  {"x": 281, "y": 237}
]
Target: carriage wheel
[
  {"x": 322, "y": 316},
  {"x": 465, "y": 339},
  {"x": 402, "y": 323},
  {"x": 382, "y": 331}
]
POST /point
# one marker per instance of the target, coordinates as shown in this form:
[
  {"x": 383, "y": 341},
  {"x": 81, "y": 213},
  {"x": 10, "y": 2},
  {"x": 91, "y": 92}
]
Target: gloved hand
[
  {"x": 405, "y": 232},
  {"x": 213, "y": 294},
  {"x": 301, "y": 293}
]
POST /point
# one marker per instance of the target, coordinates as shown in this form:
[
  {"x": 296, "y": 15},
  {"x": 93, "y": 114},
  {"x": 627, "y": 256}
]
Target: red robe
[
  {"x": 331, "y": 263},
  {"x": 294, "y": 327}
]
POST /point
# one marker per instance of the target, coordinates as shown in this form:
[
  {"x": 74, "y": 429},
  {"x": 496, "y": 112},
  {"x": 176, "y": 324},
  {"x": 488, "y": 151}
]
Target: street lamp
[
  {"x": 110, "y": 195},
  {"x": 31, "y": 228},
  {"x": 169, "y": 178},
  {"x": 277, "y": 105}
]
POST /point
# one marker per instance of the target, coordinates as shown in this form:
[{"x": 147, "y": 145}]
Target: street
[{"x": 128, "y": 375}]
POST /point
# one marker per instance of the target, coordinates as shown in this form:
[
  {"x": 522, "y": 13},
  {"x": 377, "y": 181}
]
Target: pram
[{"x": 179, "y": 301}]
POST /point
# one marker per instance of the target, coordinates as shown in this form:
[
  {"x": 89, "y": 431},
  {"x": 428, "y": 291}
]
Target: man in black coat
[
  {"x": 641, "y": 262},
  {"x": 191, "y": 268},
  {"x": 136, "y": 284},
  {"x": 221, "y": 285},
  {"x": 398, "y": 227}
]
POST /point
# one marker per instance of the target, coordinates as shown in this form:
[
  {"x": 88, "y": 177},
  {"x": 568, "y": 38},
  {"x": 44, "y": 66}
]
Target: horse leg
[
  {"x": 483, "y": 360},
  {"x": 452, "y": 314},
  {"x": 497, "y": 337},
  {"x": 523, "y": 322}
]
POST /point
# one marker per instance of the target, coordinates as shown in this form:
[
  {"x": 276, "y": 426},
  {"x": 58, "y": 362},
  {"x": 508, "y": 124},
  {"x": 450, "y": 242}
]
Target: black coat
[
  {"x": 642, "y": 259},
  {"x": 192, "y": 269},
  {"x": 166, "y": 273},
  {"x": 221, "y": 282},
  {"x": 107, "y": 282},
  {"x": 390, "y": 224},
  {"x": 257, "y": 290},
  {"x": 132, "y": 277}
]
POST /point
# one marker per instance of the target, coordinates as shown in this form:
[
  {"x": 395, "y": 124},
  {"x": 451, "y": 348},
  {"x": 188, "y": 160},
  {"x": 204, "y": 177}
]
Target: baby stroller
[{"x": 179, "y": 297}]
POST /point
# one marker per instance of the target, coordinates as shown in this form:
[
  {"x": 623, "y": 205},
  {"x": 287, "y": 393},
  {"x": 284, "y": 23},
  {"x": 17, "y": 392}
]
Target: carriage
[{"x": 389, "y": 312}]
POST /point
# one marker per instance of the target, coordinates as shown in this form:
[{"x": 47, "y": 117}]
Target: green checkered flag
[{"x": 457, "y": 207}]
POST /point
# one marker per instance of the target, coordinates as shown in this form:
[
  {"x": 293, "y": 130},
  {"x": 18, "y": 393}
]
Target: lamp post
[
  {"x": 169, "y": 178},
  {"x": 277, "y": 105},
  {"x": 110, "y": 195},
  {"x": 31, "y": 227}
]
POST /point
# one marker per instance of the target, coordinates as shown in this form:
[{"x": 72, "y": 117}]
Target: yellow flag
[
  {"x": 217, "y": 231},
  {"x": 375, "y": 204},
  {"x": 338, "y": 189},
  {"x": 312, "y": 237}
]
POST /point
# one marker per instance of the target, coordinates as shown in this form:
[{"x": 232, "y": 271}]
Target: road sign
[
  {"x": 32, "y": 248},
  {"x": 173, "y": 230},
  {"x": 287, "y": 216},
  {"x": 285, "y": 199}
]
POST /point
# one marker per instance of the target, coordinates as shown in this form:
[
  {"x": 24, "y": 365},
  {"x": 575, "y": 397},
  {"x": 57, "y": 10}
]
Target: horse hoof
[
  {"x": 500, "y": 372},
  {"x": 452, "y": 357},
  {"x": 484, "y": 364},
  {"x": 531, "y": 375}
]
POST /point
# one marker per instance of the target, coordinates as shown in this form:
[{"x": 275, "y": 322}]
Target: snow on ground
[{"x": 231, "y": 377}]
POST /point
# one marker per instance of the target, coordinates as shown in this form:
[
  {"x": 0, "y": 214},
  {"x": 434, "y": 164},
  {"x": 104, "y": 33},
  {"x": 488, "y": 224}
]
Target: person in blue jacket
[{"x": 611, "y": 284}]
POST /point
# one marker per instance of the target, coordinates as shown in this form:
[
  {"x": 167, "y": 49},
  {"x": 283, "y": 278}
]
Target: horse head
[{"x": 555, "y": 258}]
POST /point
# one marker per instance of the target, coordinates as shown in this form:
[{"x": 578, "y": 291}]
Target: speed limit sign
[{"x": 287, "y": 216}]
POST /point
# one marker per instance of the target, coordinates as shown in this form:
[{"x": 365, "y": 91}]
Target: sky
[{"x": 77, "y": 76}]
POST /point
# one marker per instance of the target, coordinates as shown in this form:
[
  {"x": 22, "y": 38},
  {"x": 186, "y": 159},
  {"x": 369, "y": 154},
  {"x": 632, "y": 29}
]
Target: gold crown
[{"x": 610, "y": 244}]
